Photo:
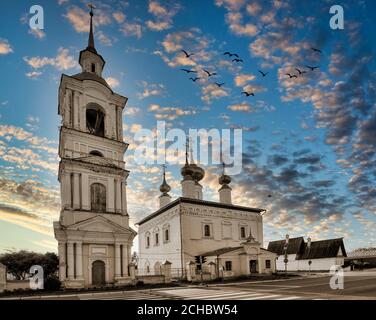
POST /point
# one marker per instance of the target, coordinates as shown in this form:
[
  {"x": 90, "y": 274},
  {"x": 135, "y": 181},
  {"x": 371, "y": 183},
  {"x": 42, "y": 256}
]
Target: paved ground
[{"x": 357, "y": 285}]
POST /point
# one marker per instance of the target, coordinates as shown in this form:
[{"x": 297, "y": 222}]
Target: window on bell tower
[
  {"x": 95, "y": 121},
  {"x": 93, "y": 67}
]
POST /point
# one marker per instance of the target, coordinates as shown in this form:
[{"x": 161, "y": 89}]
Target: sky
[{"x": 309, "y": 141}]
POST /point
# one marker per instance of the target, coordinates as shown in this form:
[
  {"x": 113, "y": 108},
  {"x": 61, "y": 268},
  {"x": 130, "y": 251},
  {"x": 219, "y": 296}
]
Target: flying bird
[
  {"x": 188, "y": 71},
  {"x": 194, "y": 79},
  {"x": 237, "y": 60},
  {"x": 219, "y": 84},
  {"x": 209, "y": 73},
  {"x": 300, "y": 71},
  {"x": 316, "y": 50},
  {"x": 291, "y": 75},
  {"x": 263, "y": 73},
  {"x": 187, "y": 55},
  {"x": 312, "y": 68},
  {"x": 248, "y": 93},
  {"x": 231, "y": 54}
]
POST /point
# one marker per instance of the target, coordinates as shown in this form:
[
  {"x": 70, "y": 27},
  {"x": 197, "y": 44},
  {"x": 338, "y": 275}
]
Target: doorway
[
  {"x": 253, "y": 266},
  {"x": 99, "y": 273}
]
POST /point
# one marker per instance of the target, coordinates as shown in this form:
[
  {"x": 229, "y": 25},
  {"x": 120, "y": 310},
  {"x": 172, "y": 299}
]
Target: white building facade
[
  {"x": 93, "y": 232},
  {"x": 190, "y": 226}
]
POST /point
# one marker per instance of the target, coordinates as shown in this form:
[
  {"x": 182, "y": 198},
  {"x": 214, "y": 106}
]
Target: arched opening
[
  {"x": 98, "y": 271},
  {"x": 93, "y": 67},
  {"x": 98, "y": 197},
  {"x": 95, "y": 120},
  {"x": 96, "y": 153}
]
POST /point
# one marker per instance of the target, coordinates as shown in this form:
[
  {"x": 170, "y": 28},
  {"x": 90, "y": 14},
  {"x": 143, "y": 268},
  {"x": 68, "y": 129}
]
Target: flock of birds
[{"x": 236, "y": 59}]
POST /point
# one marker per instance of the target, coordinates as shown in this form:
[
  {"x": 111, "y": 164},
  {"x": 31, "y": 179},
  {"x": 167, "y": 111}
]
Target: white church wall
[
  {"x": 224, "y": 226},
  {"x": 166, "y": 250}
]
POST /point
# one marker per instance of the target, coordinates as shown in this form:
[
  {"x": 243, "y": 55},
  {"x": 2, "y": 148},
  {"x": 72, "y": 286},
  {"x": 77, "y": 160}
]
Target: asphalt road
[{"x": 355, "y": 286}]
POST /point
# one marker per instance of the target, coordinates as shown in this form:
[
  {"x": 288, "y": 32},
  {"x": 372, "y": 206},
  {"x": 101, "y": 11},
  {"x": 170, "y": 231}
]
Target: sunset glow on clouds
[{"x": 307, "y": 141}]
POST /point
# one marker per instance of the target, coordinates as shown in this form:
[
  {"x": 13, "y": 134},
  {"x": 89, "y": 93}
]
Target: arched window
[
  {"x": 96, "y": 153},
  {"x": 157, "y": 239},
  {"x": 98, "y": 197},
  {"x": 167, "y": 235},
  {"x": 242, "y": 232},
  {"x": 93, "y": 67},
  {"x": 147, "y": 235},
  {"x": 207, "y": 230},
  {"x": 95, "y": 120}
]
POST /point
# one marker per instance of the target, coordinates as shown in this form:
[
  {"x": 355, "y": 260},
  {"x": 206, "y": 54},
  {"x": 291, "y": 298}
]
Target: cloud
[
  {"x": 162, "y": 14},
  {"x": 37, "y": 33},
  {"x": 150, "y": 89},
  {"x": 113, "y": 82},
  {"x": 104, "y": 39},
  {"x": 169, "y": 113},
  {"x": 119, "y": 17},
  {"x": 212, "y": 91},
  {"x": 80, "y": 19},
  {"x": 5, "y": 47},
  {"x": 240, "y": 107},
  {"x": 33, "y": 74},
  {"x": 241, "y": 79},
  {"x": 131, "y": 29},
  {"x": 62, "y": 61}
]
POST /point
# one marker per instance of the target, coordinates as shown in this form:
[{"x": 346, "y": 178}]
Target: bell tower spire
[{"x": 91, "y": 45}]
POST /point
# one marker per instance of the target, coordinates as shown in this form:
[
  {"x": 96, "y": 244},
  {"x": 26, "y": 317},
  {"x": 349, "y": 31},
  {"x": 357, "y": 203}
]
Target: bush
[{"x": 52, "y": 283}]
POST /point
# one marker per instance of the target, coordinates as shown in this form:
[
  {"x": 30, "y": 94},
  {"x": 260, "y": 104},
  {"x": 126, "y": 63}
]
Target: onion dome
[
  {"x": 224, "y": 179},
  {"x": 198, "y": 173},
  {"x": 164, "y": 187}
]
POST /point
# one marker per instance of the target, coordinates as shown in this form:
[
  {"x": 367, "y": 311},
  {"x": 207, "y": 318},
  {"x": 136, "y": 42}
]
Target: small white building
[
  {"x": 311, "y": 255},
  {"x": 190, "y": 226}
]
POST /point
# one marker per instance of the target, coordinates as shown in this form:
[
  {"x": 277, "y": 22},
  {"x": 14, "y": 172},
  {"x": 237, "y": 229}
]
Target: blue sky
[{"x": 307, "y": 141}]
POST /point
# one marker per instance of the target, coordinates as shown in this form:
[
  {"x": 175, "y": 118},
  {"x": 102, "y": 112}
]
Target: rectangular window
[
  {"x": 228, "y": 265},
  {"x": 242, "y": 232},
  {"x": 207, "y": 230},
  {"x": 267, "y": 264}
]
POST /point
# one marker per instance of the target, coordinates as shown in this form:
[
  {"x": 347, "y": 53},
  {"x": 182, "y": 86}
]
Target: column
[
  {"x": 129, "y": 253},
  {"x": 62, "y": 263},
  {"x": 85, "y": 191},
  {"x": 124, "y": 197},
  {"x": 125, "y": 261},
  {"x": 76, "y": 110},
  {"x": 70, "y": 261},
  {"x": 118, "y": 195},
  {"x": 82, "y": 113},
  {"x": 111, "y": 195},
  {"x": 117, "y": 261},
  {"x": 66, "y": 190},
  {"x": 119, "y": 126},
  {"x": 76, "y": 191},
  {"x": 79, "y": 274}
]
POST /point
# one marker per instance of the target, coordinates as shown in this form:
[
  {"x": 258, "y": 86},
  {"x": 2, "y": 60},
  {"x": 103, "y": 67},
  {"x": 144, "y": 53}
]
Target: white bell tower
[{"x": 93, "y": 231}]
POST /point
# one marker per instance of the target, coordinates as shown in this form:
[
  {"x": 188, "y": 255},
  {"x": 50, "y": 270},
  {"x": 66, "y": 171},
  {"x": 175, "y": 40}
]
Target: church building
[
  {"x": 228, "y": 235},
  {"x": 93, "y": 233}
]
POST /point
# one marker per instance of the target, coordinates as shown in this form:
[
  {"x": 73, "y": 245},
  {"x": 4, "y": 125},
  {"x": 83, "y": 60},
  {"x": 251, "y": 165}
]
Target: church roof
[
  {"x": 91, "y": 76},
  {"x": 182, "y": 200},
  {"x": 362, "y": 253},
  {"x": 220, "y": 251}
]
